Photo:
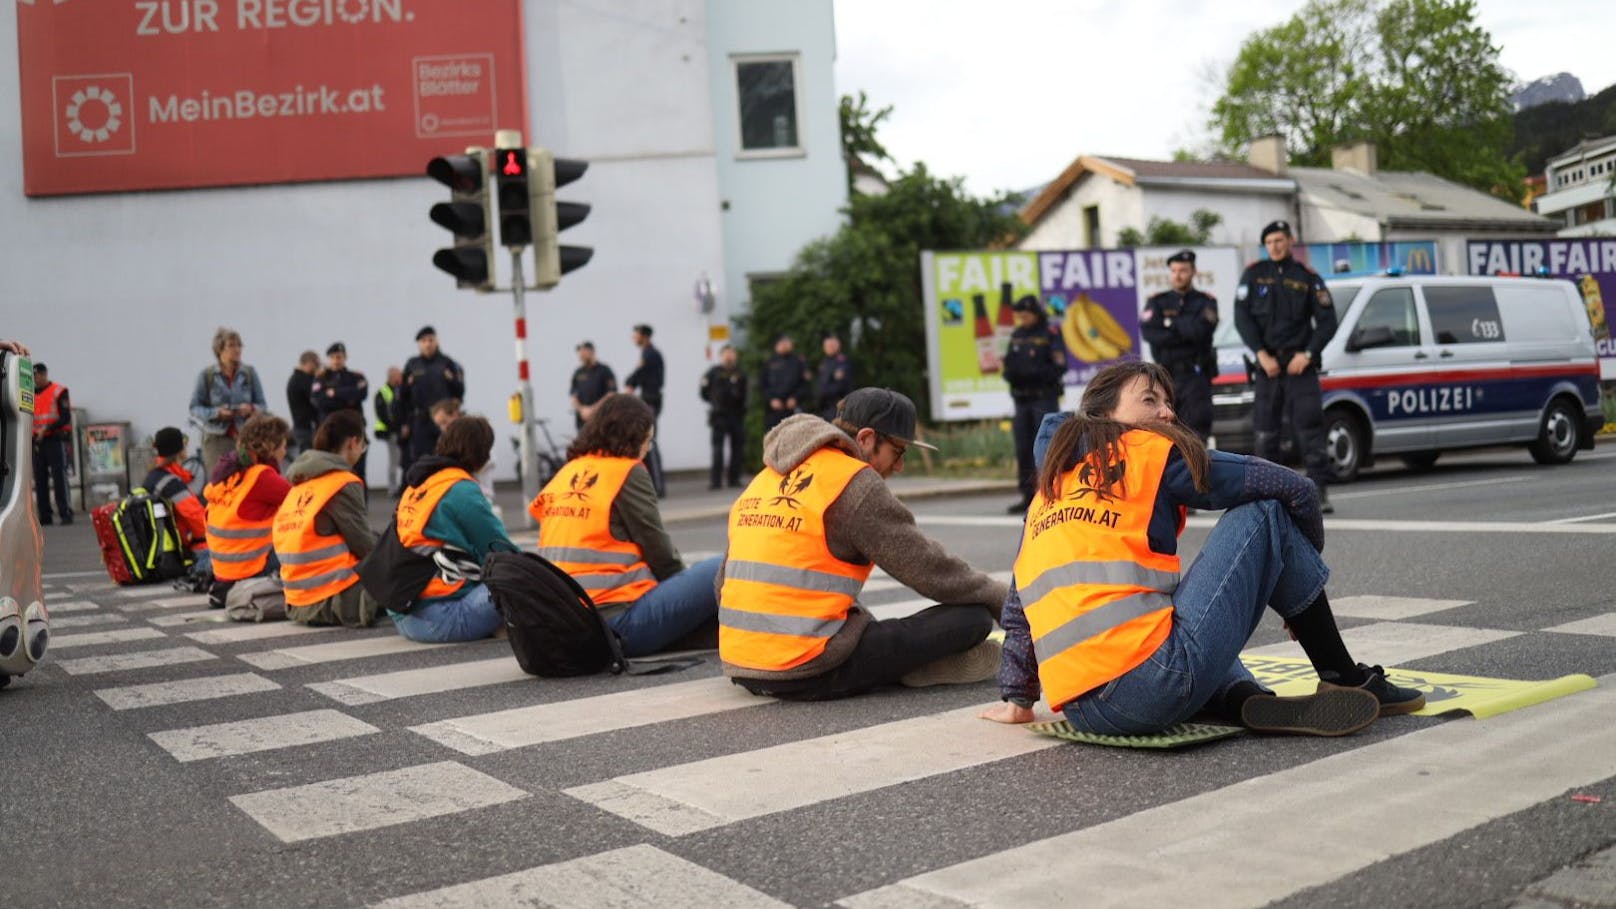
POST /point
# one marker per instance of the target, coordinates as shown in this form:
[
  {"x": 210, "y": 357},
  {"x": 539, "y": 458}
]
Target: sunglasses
[{"x": 901, "y": 449}]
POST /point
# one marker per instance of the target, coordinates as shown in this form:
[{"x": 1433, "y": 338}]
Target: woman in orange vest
[
  {"x": 321, "y": 531},
  {"x": 1098, "y": 616},
  {"x": 246, "y": 491},
  {"x": 599, "y": 522}
]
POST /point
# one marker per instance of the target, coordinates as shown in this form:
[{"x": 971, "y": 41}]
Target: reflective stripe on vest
[
  {"x": 314, "y": 566},
  {"x": 386, "y": 391},
  {"x": 784, "y": 594},
  {"x": 1098, "y": 601},
  {"x": 240, "y": 548},
  {"x": 45, "y": 415},
  {"x": 415, "y": 509},
  {"x": 574, "y": 511}
]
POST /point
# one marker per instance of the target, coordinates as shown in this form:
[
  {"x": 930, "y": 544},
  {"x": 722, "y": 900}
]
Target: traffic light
[
  {"x": 511, "y": 182},
  {"x": 471, "y": 259},
  {"x": 550, "y": 217}
]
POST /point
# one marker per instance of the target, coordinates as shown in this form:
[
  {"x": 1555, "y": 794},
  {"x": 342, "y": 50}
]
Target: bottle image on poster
[
  {"x": 987, "y": 342},
  {"x": 1005, "y": 325},
  {"x": 1595, "y": 302}
]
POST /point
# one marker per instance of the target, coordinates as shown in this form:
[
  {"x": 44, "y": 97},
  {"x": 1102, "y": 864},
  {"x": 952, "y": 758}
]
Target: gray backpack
[{"x": 256, "y": 600}]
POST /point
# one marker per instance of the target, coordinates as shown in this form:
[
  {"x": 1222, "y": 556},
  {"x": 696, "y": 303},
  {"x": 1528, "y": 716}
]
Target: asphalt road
[{"x": 339, "y": 768}]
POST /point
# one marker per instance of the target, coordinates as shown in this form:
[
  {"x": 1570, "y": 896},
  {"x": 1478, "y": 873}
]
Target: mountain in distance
[
  {"x": 1558, "y": 87},
  {"x": 1550, "y": 128}
]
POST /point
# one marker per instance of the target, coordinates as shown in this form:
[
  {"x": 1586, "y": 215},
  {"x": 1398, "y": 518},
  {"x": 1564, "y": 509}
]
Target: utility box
[{"x": 103, "y": 462}]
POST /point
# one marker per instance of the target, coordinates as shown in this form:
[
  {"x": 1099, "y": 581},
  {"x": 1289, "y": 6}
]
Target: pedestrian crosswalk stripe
[
  {"x": 387, "y": 686},
  {"x": 373, "y": 800},
  {"x": 69, "y": 606},
  {"x": 79, "y": 621},
  {"x": 1604, "y": 624},
  {"x": 200, "y": 617},
  {"x": 261, "y": 734},
  {"x": 487, "y": 733},
  {"x": 290, "y": 657},
  {"x": 144, "y": 592},
  {"x": 633, "y": 876},
  {"x": 168, "y": 602},
  {"x": 129, "y": 697},
  {"x": 95, "y": 638},
  {"x": 1385, "y": 799},
  {"x": 705, "y": 794},
  {"x": 1397, "y": 643},
  {"x": 102, "y": 586},
  {"x": 1390, "y": 609},
  {"x": 145, "y": 659},
  {"x": 255, "y": 631}
]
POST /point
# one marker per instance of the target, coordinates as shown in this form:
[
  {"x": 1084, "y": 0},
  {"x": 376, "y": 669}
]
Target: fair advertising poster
[
  {"x": 1589, "y": 263},
  {"x": 120, "y": 95},
  {"x": 1093, "y": 297}
]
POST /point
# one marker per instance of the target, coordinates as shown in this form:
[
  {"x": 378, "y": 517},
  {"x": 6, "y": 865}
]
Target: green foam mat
[{"x": 1181, "y": 736}]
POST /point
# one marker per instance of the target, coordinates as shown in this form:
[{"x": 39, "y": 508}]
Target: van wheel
[
  {"x": 1345, "y": 444},
  {"x": 1421, "y": 460},
  {"x": 1560, "y": 435}
]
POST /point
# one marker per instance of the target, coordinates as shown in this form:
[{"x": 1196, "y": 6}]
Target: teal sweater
[{"x": 465, "y": 521}]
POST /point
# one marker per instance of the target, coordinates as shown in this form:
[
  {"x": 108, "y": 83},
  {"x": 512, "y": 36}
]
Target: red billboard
[{"x": 162, "y": 94}]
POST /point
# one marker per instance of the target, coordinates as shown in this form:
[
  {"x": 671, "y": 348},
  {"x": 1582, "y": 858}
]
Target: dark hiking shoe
[
  {"x": 1324, "y": 502},
  {"x": 1393, "y": 699},
  {"x": 1329, "y": 711}
]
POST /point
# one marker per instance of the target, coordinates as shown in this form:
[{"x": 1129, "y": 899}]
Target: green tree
[
  {"x": 1419, "y": 78},
  {"x": 1167, "y": 232},
  {"x": 859, "y": 143}
]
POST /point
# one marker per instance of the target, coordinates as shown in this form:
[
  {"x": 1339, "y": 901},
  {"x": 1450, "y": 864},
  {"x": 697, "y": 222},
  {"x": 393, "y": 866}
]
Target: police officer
[
  {"x": 339, "y": 388},
  {"x": 646, "y": 380},
  {"x": 1285, "y": 315},
  {"x": 724, "y": 390},
  {"x": 1178, "y": 325},
  {"x": 591, "y": 382},
  {"x": 428, "y": 378},
  {"x": 834, "y": 380},
  {"x": 785, "y": 382},
  {"x": 1035, "y": 367}
]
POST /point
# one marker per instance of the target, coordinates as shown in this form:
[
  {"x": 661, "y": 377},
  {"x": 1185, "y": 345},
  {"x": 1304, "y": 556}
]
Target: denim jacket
[{"x": 213, "y": 391}]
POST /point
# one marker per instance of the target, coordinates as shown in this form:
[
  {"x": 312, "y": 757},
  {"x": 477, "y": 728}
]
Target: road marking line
[
  {"x": 204, "y": 617},
  {"x": 1396, "y": 643},
  {"x": 502, "y": 730},
  {"x": 1390, "y": 608},
  {"x": 144, "y": 592},
  {"x": 387, "y": 686},
  {"x": 170, "y": 602},
  {"x": 1429, "y": 487},
  {"x": 1388, "y": 798},
  {"x": 1599, "y": 624},
  {"x": 634, "y": 876},
  {"x": 96, "y": 638},
  {"x": 146, "y": 659},
  {"x": 97, "y": 587},
  {"x": 255, "y": 631},
  {"x": 77, "y": 621},
  {"x": 69, "y": 606},
  {"x": 289, "y": 657},
  {"x": 130, "y": 697},
  {"x": 63, "y": 575},
  {"x": 701, "y": 795},
  {"x": 1332, "y": 524},
  {"x": 1589, "y": 517},
  {"x": 373, "y": 800},
  {"x": 262, "y": 734},
  {"x": 905, "y": 608}
]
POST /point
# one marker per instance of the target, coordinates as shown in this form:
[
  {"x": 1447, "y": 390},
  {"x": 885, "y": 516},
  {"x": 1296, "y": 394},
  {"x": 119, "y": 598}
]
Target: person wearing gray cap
[{"x": 804, "y": 537}]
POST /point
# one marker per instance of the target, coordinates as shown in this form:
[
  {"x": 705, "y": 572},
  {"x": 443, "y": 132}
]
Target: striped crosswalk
[{"x": 314, "y": 735}]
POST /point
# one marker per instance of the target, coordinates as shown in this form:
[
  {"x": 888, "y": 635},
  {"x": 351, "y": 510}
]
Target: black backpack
[
  {"x": 149, "y": 537},
  {"x": 554, "y": 628}
]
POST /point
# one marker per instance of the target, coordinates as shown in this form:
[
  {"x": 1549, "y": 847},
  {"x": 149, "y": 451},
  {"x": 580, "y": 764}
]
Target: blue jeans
[
  {"x": 1255, "y": 557},
  {"x": 470, "y": 616},
  {"x": 672, "y": 609}
]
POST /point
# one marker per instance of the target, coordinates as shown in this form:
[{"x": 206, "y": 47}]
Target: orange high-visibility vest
[
  {"x": 314, "y": 566},
  {"x": 784, "y": 594},
  {"x": 415, "y": 509},
  {"x": 45, "y": 415},
  {"x": 240, "y": 547},
  {"x": 1099, "y": 601},
  {"x": 574, "y": 512}
]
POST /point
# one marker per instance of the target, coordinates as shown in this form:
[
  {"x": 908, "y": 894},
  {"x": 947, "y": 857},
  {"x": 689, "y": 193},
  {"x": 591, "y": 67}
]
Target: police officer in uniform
[
  {"x": 785, "y": 382},
  {"x": 1285, "y": 315},
  {"x": 724, "y": 390},
  {"x": 591, "y": 382},
  {"x": 834, "y": 380},
  {"x": 1178, "y": 325},
  {"x": 339, "y": 388},
  {"x": 1035, "y": 367},
  {"x": 646, "y": 380},
  {"x": 428, "y": 378}
]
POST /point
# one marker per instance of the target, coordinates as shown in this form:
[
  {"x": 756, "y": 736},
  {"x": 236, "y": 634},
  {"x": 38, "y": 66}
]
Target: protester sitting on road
[
  {"x": 321, "y": 531},
  {"x": 246, "y": 491},
  {"x": 425, "y": 567},
  {"x": 802, "y": 540},
  {"x": 227, "y": 393},
  {"x": 169, "y": 480},
  {"x": 599, "y": 522},
  {"x": 445, "y": 412},
  {"x": 1098, "y": 614}
]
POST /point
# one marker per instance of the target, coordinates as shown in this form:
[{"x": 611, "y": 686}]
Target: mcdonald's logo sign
[{"x": 1420, "y": 261}]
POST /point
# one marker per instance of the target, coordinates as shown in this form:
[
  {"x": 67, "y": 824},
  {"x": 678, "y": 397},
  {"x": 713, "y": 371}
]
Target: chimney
[
  {"x": 1357, "y": 156},
  {"x": 1268, "y": 153}
]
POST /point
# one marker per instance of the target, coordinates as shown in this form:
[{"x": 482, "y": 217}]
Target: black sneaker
[
  {"x": 1328, "y": 712},
  {"x": 1393, "y": 699}
]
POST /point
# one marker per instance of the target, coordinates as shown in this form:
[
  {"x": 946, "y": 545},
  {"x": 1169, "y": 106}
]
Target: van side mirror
[{"x": 1373, "y": 336}]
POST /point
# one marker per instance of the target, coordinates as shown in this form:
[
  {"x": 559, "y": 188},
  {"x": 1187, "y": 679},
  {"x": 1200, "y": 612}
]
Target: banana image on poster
[{"x": 1091, "y": 333}]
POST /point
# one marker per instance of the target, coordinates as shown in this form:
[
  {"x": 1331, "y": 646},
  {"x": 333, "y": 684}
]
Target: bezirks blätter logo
[{"x": 93, "y": 114}]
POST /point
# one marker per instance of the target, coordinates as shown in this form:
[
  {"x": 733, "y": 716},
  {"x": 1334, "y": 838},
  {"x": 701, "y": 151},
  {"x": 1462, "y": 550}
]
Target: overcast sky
[{"x": 1006, "y": 94}]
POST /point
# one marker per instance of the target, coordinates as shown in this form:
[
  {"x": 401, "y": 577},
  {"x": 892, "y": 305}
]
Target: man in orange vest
[
  {"x": 53, "y": 427},
  {"x": 803, "y": 538}
]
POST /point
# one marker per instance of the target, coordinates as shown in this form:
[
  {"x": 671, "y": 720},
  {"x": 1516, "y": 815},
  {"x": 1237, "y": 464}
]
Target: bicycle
[{"x": 550, "y": 455}]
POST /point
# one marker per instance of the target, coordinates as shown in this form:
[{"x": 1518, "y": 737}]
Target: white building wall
[
  {"x": 1244, "y": 214},
  {"x": 1063, "y": 227},
  {"x": 1330, "y": 225}
]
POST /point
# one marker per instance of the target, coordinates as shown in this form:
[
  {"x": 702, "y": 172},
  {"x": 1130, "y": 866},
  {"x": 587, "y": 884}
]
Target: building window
[
  {"x": 766, "y": 94},
  {"x": 1091, "y": 226}
]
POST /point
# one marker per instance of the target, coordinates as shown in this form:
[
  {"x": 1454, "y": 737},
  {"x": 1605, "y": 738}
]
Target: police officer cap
[
  {"x": 888, "y": 412},
  {"x": 1276, "y": 227},
  {"x": 425, "y": 330},
  {"x": 338, "y": 348},
  {"x": 1028, "y": 303},
  {"x": 1182, "y": 255}
]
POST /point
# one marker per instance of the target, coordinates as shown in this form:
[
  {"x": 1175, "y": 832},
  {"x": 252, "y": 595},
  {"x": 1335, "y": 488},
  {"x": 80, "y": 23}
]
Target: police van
[
  {"x": 1424, "y": 364},
  {"x": 23, "y": 632}
]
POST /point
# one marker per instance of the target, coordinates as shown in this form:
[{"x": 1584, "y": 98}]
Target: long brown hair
[
  {"x": 1092, "y": 433},
  {"x": 619, "y": 427}
]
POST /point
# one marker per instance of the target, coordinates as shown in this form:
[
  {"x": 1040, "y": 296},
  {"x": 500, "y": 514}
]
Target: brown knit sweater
[{"x": 867, "y": 524}]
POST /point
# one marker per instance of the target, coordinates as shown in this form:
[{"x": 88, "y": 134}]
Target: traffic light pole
[{"x": 529, "y": 450}]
